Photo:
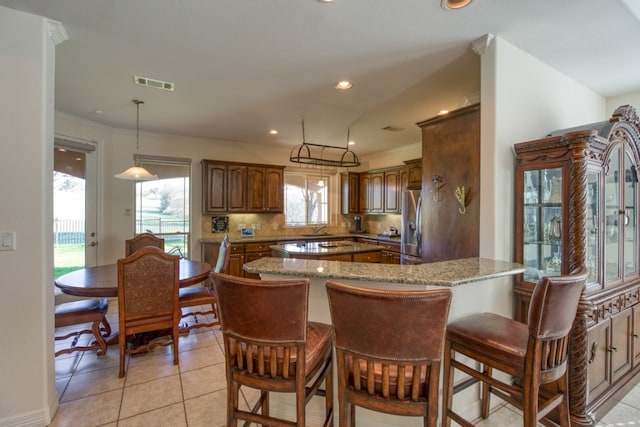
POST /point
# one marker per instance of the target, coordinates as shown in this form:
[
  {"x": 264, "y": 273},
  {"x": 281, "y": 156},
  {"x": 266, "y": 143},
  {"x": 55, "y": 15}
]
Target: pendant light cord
[{"x": 138, "y": 102}]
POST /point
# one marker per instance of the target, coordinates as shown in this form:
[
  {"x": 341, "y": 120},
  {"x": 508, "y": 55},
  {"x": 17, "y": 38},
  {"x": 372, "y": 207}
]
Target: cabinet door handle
[
  {"x": 592, "y": 356},
  {"x": 635, "y": 335},
  {"x": 612, "y": 350}
]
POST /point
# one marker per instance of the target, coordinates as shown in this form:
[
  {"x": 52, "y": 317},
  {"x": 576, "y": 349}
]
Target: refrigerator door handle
[{"x": 419, "y": 226}]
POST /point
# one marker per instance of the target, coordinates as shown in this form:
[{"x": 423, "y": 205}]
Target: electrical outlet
[{"x": 256, "y": 226}]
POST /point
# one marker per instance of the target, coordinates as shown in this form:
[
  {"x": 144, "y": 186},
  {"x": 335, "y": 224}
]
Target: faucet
[{"x": 317, "y": 228}]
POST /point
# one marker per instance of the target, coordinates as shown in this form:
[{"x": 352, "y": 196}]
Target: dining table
[{"x": 102, "y": 280}]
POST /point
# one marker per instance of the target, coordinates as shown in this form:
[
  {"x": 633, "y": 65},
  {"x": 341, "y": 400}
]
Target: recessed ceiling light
[
  {"x": 454, "y": 4},
  {"x": 443, "y": 112},
  {"x": 352, "y": 143},
  {"x": 325, "y": 1},
  {"x": 273, "y": 132},
  {"x": 344, "y": 85}
]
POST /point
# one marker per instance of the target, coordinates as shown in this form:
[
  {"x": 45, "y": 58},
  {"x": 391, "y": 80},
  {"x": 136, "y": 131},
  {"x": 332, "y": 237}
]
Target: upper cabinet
[
  {"x": 411, "y": 175},
  {"x": 372, "y": 192},
  {"x": 241, "y": 187},
  {"x": 576, "y": 205},
  {"x": 350, "y": 197}
]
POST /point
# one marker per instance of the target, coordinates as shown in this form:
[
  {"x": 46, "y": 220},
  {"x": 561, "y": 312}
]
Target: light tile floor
[{"x": 156, "y": 392}]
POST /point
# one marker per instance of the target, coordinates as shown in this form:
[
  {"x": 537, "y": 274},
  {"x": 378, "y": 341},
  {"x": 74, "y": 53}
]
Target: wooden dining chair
[
  {"x": 270, "y": 345},
  {"x": 81, "y": 312},
  {"x": 389, "y": 347},
  {"x": 193, "y": 296},
  {"x": 141, "y": 241},
  {"x": 148, "y": 283},
  {"x": 531, "y": 355}
]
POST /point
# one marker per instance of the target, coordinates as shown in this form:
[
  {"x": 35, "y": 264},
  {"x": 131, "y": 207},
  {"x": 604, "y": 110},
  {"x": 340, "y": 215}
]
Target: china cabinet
[{"x": 577, "y": 204}]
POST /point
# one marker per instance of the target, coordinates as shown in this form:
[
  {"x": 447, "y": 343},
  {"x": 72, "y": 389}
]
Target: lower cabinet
[
  {"x": 610, "y": 347},
  {"x": 636, "y": 335},
  {"x": 390, "y": 252},
  {"x": 236, "y": 256}
]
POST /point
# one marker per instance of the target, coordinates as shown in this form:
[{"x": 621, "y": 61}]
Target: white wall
[
  {"x": 27, "y": 55},
  {"x": 632, "y": 99},
  {"x": 522, "y": 99}
]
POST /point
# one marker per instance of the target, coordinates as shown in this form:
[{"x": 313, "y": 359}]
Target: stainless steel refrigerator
[{"x": 411, "y": 235}]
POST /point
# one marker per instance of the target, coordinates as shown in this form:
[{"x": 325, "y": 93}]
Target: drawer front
[
  {"x": 258, "y": 247},
  {"x": 391, "y": 246},
  {"x": 368, "y": 257},
  {"x": 236, "y": 248}
]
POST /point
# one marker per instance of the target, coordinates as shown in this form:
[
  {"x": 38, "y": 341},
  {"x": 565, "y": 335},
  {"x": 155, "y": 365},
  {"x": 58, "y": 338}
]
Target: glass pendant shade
[{"x": 136, "y": 173}]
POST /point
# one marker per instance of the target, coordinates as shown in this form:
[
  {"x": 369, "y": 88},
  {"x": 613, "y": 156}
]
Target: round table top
[{"x": 102, "y": 281}]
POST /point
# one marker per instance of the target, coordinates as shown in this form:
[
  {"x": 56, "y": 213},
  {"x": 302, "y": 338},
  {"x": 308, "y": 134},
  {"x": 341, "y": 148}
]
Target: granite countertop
[
  {"x": 288, "y": 238},
  {"x": 325, "y": 248},
  {"x": 444, "y": 273}
]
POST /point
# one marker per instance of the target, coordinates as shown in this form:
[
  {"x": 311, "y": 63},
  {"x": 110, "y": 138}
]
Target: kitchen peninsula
[
  {"x": 341, "y": 250},
  {"x": 477, "y": 285}
]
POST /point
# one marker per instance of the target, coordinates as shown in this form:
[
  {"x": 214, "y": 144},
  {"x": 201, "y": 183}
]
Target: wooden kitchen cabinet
[
  {"x": 214, "y": 186},
  {"x": 451, "y": 151},
  {"x": 265, "y": 189},
  {"x": 350, "y": 193},
  {"x": 236, "y": 256},
  {"x": 378, "y": 192},
  {"x": 577, "y": 205},
  {"x": 390, "y": 252},
  {"x": 242, "y": 187},
  {"x": 391, "y": 191},
  {"x": 413, "y": 171},
  {"x": 365, "y": 198},
  {"x": 236, "y": 194}
]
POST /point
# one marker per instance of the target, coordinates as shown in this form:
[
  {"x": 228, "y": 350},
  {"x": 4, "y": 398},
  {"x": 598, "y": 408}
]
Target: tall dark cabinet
[
  {"x": 577, "y": 204},
  {"x": 451, "y": 159}
]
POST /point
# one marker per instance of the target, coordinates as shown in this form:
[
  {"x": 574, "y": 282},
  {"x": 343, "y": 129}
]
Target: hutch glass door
[{"x": 543, "y": 223}]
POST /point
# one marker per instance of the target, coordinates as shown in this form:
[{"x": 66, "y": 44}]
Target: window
[
  {"x": 162, "y": 206},
  {"x": 306, "y": 200}
]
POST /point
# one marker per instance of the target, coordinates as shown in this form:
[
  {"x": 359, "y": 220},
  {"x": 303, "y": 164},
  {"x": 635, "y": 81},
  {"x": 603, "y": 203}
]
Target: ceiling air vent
[
  {"x": 158, "y": 84},
  {"x": 392, "y": 128}
]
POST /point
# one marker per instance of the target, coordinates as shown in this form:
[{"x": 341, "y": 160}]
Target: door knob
[{"x": 93, "y": 244}]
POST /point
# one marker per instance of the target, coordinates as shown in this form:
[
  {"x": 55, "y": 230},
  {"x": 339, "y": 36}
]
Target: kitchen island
[
  {"x": 477, "y": 285},
  {"x": 341, "y": 250}
]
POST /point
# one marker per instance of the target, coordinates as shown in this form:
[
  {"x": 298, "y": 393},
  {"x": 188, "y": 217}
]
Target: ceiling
[{"x": 243, "y": 67}]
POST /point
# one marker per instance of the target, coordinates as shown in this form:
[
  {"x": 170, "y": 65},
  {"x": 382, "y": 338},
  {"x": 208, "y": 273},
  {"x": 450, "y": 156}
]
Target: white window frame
[{"x": 309, "y": 176}]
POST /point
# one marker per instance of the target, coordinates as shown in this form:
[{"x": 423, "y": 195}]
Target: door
[{"x": 75, "y": 222}]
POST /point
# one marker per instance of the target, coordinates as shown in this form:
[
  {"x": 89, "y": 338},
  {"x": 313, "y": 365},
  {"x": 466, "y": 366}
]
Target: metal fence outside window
[{"x": 70, "y": 232}]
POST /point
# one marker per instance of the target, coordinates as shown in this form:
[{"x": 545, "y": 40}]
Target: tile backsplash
[{"x": 273, "y": 224}]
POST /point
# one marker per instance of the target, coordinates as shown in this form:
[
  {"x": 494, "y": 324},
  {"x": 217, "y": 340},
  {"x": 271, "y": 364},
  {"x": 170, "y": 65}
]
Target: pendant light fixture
[{"x": 137, "y": 173}]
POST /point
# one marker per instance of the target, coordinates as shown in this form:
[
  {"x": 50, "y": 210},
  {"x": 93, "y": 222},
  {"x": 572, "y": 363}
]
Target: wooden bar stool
[
  {"x": 533, "y": 355},
  {"x": 84, "y": 311},
  {"x": 270, "y": 345},
  {"x": 388, "y": 350}
]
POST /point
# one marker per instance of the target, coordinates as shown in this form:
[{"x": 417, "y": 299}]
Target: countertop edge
[
  {"x": 287, "y": 238},
  {"x": 444, "y": 273}
]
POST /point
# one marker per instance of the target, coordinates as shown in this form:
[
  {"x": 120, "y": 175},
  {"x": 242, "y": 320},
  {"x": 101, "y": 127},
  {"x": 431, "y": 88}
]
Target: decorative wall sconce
[
  {"x": 462, "y": 198},
  {"x": 437, "y": 185}
]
